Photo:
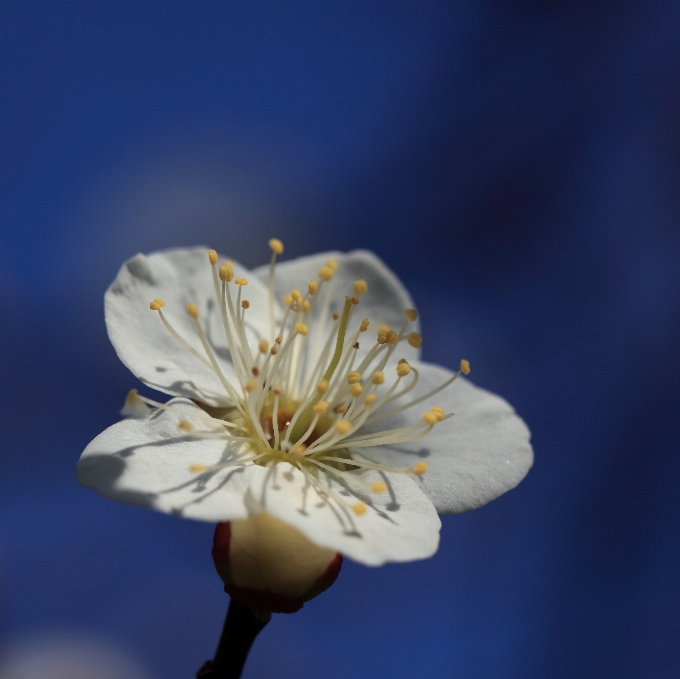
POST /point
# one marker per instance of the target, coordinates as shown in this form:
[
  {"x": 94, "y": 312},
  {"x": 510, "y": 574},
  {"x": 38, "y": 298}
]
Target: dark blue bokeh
[{"x": 516, "y": 163}]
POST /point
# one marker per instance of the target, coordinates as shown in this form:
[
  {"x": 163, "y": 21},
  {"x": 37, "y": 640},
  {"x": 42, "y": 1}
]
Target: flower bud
[{"x": 271, "y": 566}]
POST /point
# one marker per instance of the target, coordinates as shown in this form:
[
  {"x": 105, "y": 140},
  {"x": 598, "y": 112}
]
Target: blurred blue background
[{"x": 516, "y": 163}]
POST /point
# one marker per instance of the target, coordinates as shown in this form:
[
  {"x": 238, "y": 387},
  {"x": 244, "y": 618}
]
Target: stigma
[{"x": 302, "y": 393}]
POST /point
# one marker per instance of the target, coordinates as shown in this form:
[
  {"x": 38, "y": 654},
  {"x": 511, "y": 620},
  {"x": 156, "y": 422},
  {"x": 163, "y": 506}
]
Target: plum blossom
[{"x": 298, "y": 391}]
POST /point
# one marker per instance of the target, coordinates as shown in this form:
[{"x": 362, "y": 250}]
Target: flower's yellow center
[{"x": 304, "y": 394}]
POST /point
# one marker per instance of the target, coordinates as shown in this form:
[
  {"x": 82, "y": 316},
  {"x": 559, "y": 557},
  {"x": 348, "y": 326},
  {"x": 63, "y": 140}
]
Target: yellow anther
[
  {"x": 287, "y": 300},
  {"x": 277, "y": 391},
  {"x": 264, "y": 346},
  {"x": 226, "y": 273},
  {"x": 250, "y": 385},
  {"x": 306, "y": 306},
  {"x": 196, "y": 468},
  {"x": 274, "y": 350},
  {"x": 342, "y": 427},
  {"x": 241, "y": 281},
  {"x": 322, "y": 387},
  {"x": 439, "y": 412},
  {"x": 378, "y": 377},
  {"x": 192, "y": 310},
  {"x": 313, "y": 287},
  {"x": 132, "y": 397},
  {"x": 430, "y": 417},
  {"x": 185, "y": 426},
  {"x": 391, "y": 337},
  {"x": 364, "y": 325},
  {"x": 296, "y": 295},
  {"x": 415, "y": 340},
  {"x": 320, "y": 407},
  {"x": 465, "y": 367},
  {"x": 353, "y": 377},
  {"x": 359, "y": 508},
  {"x": 378, "y": 487},
  {"x": 383, "y": 327},
  {"x": 403, "y": 369},
  {"x": 276, "y": 245},
  {"x": 356, "y": 390},
  {"x": 420, "y": 468},
  {"x": 325, "y": 273},
  {"x": 370, "y": 398},
  {"x": 245, "y": 304},
  {"x": 212, "y": 257},
  {"x": 411, "y": 314},
  {"x": 360, "y": 287},
  {"x": 301, "y": 328},
  {"x": 156, "y": 304},
  {"x": 332, "y": 265},
  {"x": 299, "y": 450}
]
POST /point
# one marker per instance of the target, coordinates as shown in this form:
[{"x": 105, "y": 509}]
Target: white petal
[
  {"x": 178, "y": 277},
  {"x": 384, "y": 302},
  {"x": 400, "y": 525},
  {"x": 146, "y": 462},
  {"x": 477, "y": 455}
]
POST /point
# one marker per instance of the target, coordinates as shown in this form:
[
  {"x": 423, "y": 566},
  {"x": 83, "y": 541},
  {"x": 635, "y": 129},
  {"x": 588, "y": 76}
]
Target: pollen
[
  {"x": 241, "y": 281},
  {"x": 185, "y": 426},
  {"x": 296, "y": 295},
  {"x": 306, "y": 306},
  {"x": 341, "y": 410},
  {"x": 325, "y": 273},
  {"x": 439, "y": 412},
  {"x": 360, "y": 287},
  {"x": 226, "y": 273},
  {"x": 378, "y": 377},
  {"x": 359, "y": 508},
  {"x": 264, "y": 346},
  {"x": 465, "y": 367},
  {"x": 411, "y": 314},
  {"x": 342, "y": 427},
  {"x": 353, "y": 377},
  {"x": 274, "y": 350},
  {"x": 378, "y": 487},
  {"x": 356, "y": 390},
  {"x": 370, "y": 398},
  {"x": 403, "y": 368},
  {"x": 250, "y": 385},
  {"x": 156, "y": 304},
  {"x": 355, "y": 300},
  {"x": 364, "y": 325},
  {"x": 192, "y": 310},
  {"x": 276, "y": 245},
  {"x": 320, "y": 407},
  {"x": 415, "y": 340},
  {"x": 313, "y": 287},
  {"x": 420, "y": 468},
  {"x": 322, "y": 387},
  {"x": 430, "y": 417},
  {"x": 196, "y": 468},
  {"x": 245, "y": 304},
  {"x": 277, "y": 391},
  {"x": 212, "y": 257},
  {"x": 301, "y": 328}
]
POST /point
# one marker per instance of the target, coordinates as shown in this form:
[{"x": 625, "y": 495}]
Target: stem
[{"x": 239, "y": 631}]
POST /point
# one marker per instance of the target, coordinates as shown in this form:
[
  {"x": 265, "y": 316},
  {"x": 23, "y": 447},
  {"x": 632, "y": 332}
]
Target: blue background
[{"x": 516, "y": 163}]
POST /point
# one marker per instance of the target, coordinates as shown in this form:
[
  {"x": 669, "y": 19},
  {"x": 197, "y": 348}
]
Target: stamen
[
  {"x": 359, "y": 508},
  {"x": 415, "y": 340},
  {"x": 420, "y": 468},
  {"x": 411, "y": 314},
  {"x": 353, "y": 377},
  {"x": 313, "y": 287},
  {"x": 360, "y": 287},
  {"x": 465, "y": 367},
  {"x": 212, "y": 257}
]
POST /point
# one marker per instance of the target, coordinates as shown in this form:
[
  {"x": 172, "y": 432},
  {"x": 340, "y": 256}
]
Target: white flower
[{"x": 317, "y": 411}]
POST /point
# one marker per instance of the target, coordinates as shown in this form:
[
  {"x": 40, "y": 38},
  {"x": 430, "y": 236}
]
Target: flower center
[{"x": 303, "y": 393}]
